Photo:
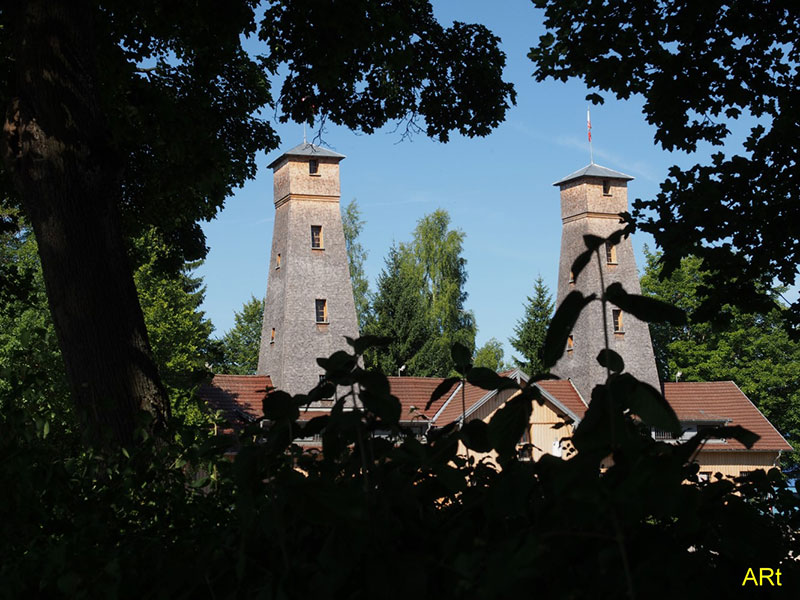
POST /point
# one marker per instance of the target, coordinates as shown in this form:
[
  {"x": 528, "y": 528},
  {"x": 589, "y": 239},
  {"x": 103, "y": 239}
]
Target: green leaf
[
  {"x": 561, "y": 326},
  {"x": 644, "y": 308},
  {"x": 611, "y": 360},
  {"x": 489, "y": 380},
  {"x": 441, "y": 390}
]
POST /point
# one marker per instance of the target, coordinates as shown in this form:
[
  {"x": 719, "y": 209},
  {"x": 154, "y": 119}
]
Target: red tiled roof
[
  {"x": 415, "y": 392},
  {"x": 715, "y": 400},
  {"x": 239, "y": 397},
  {"x": 563, "y": 391},
  {"x": 454, "y": 408}
]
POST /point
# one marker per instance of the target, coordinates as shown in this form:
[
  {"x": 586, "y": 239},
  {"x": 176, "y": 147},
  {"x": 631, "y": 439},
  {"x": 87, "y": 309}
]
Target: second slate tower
[
  {"x": 591, "y": 200},
  {"x": 309, "y": 306}
]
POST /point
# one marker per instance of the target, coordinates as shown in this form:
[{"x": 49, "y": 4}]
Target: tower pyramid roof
[
  {"x": 306, "y": 149},
  {"x": 593, "y": 170}
]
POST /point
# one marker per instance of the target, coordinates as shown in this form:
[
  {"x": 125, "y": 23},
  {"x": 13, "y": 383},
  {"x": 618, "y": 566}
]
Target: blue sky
[{"x": 498, "y": 190}]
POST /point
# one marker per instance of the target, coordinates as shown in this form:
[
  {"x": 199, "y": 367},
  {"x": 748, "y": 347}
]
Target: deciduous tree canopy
[
  {"x": 241, "y": 344},
  {"x": 120, "y": 116},
  {"x": 752, "y": 349},
  {"x": 701, "y": 66},
  {"x": 420, "y": 301}
]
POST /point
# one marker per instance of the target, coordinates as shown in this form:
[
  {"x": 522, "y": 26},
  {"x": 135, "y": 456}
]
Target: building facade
[
  {"x": 309, "y": 306},
  {"x": 591, "y": 201}
]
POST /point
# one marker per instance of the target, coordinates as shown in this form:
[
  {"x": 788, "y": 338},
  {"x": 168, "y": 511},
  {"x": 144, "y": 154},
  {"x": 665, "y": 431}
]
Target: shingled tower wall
[
  {"x": 591, "y": 200},
  {"x": 307, "y": 265}
]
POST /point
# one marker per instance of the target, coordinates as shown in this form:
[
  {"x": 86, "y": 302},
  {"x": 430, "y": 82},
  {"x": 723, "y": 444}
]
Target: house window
[
  {"x": 316, "y": 237},
  {"x": 322, "y": 310},
  {"x": 313, "y": 167},
  {"x": 611, "y": 254},
  {"x": 606, "y": 187},
  {"x": 278, "y": 262},
  {"x": 616, "y": 317},
  {"x": 704, "y": 475},
  {"x": 570, "y": 344},
  {"x": 272, "y": 336}
]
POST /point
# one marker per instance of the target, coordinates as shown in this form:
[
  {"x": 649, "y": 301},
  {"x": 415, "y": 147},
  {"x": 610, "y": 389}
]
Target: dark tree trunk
[{"x": 57, "y": 150}]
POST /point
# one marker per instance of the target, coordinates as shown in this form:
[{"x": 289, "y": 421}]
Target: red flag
[{"x": 589, "y": 124}]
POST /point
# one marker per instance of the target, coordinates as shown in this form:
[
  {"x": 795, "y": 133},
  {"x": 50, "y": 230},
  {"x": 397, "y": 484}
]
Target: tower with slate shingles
[
  {"x": 309, "y": 307},
  {"x": 591, "y": 200}
]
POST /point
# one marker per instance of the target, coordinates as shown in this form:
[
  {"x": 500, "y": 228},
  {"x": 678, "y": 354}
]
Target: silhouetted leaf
[
  {"x": 611, "y": 360},
  {"x": 644, "y": 308},
  {"x": 487, "y": 379},
  {"x": 462, "y": 357},
  {"x": 592, "y": 243},
  {"x": 561, "y": 326},
  {"x": 508, "y": 424},
  {"x": 280, "y": 405},
  {"x": 313, "y": 426},
  {"x": 387, "y": 408},
  {"x": 375, "y": 382},
  {"x": 595, "y": 98},
  {"x": 365, "y": 342},
  {"x": 475, "y": 436},
  {"x": 646, "y": 402},
  {"x": 441, "y": 390}
]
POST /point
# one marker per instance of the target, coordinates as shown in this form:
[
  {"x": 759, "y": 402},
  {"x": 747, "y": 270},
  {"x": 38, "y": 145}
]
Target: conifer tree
[
  {"x": 530, "y": 330},
  {"x": 398, "y": 311},
  {"x": 420, "y": 301}
]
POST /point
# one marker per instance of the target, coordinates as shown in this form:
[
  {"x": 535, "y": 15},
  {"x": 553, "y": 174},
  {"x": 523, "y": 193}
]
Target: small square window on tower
[
  {"x": 272, "y": 336},
  {"x": 606, "y": 187},
  {"x": 570, "y": 344},
  {"x": 322, "y": 310},
  {"x": 278, "y": 261},
  {"x": 616, "y": 317},
  {"x": 316, "y": 237},
  {"x": 571, "y": 277},
  {"x": 611, "y": 254},
  {"x": 313, "y": 167}
]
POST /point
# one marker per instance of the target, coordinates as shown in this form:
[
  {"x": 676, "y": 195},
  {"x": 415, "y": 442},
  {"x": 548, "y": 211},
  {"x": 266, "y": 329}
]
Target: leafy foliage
[
  {"x": 356, "y": 256},
  {"x": 32, "y": 374},
  {"x": 240, "y": 345},
  {"x": 490, "y": 356},
  {"x": 349, "y": 517},
  {"x": 420, "y": 299},
  {"x": 701, "y": 66},
  {"x": 530, "y": 330},
  {"x": 121, "y": 117},
  {"x": 751, "y": 349}
]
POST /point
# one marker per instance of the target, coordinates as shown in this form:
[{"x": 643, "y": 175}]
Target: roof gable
[
  {"x": 593, "y": 170},
  {"x": 722, "y": 401},
  {"x": 308, "y": 151}
]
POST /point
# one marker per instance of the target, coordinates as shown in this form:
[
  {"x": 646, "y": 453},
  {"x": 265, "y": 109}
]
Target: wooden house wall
[{"x": 733, "y": 463}]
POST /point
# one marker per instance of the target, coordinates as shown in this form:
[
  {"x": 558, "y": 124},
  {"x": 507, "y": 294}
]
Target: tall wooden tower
[
  {"x": 309, "y": 306},
  {"x": 591, "y": 200}
]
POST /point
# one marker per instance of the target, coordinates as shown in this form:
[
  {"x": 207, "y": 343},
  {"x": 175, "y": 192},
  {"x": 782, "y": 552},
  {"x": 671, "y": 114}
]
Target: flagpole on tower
[{"x": 589, "y": 130}]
